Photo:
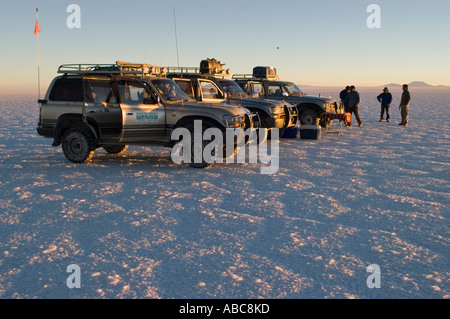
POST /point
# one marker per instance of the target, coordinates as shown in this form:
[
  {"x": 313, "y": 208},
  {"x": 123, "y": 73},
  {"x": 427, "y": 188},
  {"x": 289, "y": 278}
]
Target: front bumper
[
  {"x": 254, "y": 121},
  {"x": 288, "y": 119},
  {"x": 45, "y": 132},
  {"x": 291, "y": 110}
]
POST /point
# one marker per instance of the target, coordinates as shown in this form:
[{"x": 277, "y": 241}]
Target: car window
[
  {"x": 170, "y": 90},
  {"x": 98, "y": 91},
  {"x": 293, "y": 89},
  {"x": 274, "y": 90},
  {"x": 209, "y": 90},
  {"x": 186, "y": 86},
  {"x": 67, "y": 89},
  {"x": 232, "y": 88},
  {"x": 257, "y": 88},
  {"x": 134, "y": 92}
]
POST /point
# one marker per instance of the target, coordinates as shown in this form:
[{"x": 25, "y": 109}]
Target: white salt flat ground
[{"x": 140, "y": 226}]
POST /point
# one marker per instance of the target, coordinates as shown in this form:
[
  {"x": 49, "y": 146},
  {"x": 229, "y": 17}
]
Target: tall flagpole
[{"x": 39, "y": 74}]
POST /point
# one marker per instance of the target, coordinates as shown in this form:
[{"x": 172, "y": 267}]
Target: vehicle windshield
[
  {"x": 169, "y": 90},
  {"x": 232, "y": 89},
  {"x": 293, "y": 89}
]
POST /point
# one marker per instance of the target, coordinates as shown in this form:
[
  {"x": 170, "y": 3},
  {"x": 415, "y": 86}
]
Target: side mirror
[
  {"x": 285, "y": 94},
  {"x": 254, "y": 95},
  {"x": 225, "y": 95}
]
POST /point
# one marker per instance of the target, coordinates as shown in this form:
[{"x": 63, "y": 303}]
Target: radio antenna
[{"x": 176, "y": 38}]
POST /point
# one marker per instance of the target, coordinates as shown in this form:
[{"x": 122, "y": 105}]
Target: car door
[
  {"x": 143, "y": 116},
  {"x": 102, "y": 106}
]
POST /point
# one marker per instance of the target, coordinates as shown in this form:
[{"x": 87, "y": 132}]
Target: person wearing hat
[
  {"x": 352, "y": 100},
  {"x": 385, "y": 99},
  {"x": 342, "y": 95}
]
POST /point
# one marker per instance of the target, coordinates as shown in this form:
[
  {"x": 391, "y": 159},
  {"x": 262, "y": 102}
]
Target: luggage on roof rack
[
  {"x": 143, "y": 68},
  {"x": 208, "y": 67},
  {"x": 213, "y": 67},
  {"x": 265, "y": 72}
]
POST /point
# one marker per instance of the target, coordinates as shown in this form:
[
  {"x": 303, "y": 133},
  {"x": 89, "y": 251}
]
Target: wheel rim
[
  {"x": 309, "y": 118},
  {"x": 76, "y": 147}
]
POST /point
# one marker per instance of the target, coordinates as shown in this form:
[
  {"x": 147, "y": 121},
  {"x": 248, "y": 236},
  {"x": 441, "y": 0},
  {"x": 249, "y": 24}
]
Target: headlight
[
  {"x": 277, "y": 110},
  {"x": 234, "y": 121}
]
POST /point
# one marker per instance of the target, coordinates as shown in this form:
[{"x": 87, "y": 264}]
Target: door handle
[
  {"x": 91, "y": 111},
  {"x": 130, "y": 113}
]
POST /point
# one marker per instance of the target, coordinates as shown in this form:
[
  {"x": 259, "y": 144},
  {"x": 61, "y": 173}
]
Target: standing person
[
  {"x": 385, "y": 99},
  {"x": 353, "y": 99},
  {"x": 404, "y": 105},
  {"x": 342, "y": 95}
]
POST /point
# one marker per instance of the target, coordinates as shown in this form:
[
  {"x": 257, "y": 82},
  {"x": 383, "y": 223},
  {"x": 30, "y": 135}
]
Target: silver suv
[
  {"x": 211, "y": 83},
  {"x": 111, "y": 106}
]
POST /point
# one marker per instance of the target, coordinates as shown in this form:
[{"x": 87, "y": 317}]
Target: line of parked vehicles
[{"x": 88, "y": 106}]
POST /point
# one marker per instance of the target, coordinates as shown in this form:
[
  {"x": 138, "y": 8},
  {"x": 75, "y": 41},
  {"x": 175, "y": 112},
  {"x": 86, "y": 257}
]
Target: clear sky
[{"x": 322, "y": 42}]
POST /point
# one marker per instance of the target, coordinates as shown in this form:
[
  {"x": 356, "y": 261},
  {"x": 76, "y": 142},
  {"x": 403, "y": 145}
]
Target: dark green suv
[{"x": 265, "y": 83}]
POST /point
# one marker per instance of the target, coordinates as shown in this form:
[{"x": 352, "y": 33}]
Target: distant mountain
[
  {"x": 420, "y": 84},
  {"x": 415, "y": 84},
  {"x": 390, "y": 85}
]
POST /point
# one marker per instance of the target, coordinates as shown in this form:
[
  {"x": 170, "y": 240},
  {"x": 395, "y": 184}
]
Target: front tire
[
  {"x": 309, "y": 117},
  {"x": 78, "y": 145},
  {"x": 115, "y": 149},
  {"x": 199, "y": 149}
]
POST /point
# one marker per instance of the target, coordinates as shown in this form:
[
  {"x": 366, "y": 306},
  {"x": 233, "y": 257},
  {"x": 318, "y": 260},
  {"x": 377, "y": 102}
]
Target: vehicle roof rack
[
  {"x": 183, "y": 69},
  {"x": 192, "y": 70},
  {"x": 142, "y": 68},
  {"x": 208, "y": 67},
  {"x": 121, "y": 68},
  {"x": 252, "y": 77},
  {"x": 243, "y": 76}
]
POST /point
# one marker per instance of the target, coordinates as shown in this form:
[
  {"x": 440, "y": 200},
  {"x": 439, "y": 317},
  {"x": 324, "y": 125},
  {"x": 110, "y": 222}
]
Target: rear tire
[{"x": 78, "y": 145}]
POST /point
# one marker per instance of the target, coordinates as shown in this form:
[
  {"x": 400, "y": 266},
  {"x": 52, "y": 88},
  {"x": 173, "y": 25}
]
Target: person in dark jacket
[
  {"x": 404, "y": 105},
  {"x": 385, "y": 99},
  {"x": 342, "y": 95},
  {"x": 353, "y": 99}
]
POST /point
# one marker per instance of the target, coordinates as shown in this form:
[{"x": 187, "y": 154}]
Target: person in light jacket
[
  {"x": 352, "y": 100},
  {"x": 404, "y": 105}
]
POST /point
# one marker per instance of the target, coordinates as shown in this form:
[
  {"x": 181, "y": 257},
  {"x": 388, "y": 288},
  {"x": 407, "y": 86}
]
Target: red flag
[{"x": 37, "y": 29}]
